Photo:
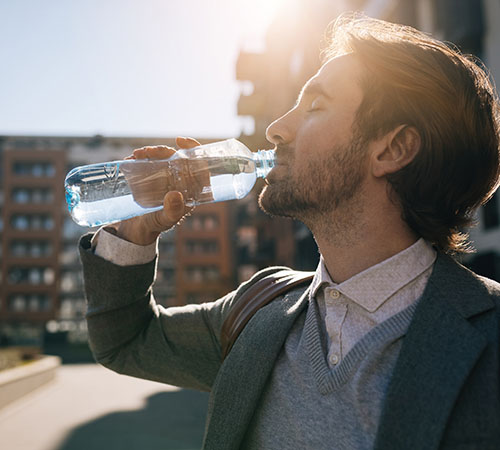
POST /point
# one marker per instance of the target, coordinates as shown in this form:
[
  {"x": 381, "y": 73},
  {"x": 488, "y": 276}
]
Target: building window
[
  {"x": 210, "y": 222},
  {"x": 194, "y": 274},
  {"x": 24, "y": 222},
  {"x": 35, "y": 169},
  {"x": 247, "y": 240},
  {"x": 34, "y": 249},
  {"x": 70, "y": 281},
  {"x": 20, "y": 222},
  {"x": 69, "y": 254},
  {"x": 167, "y": 249},
  {"x": 202, "y": 222},
  {"x": 212, "y": 273},
  {"x": 20, "y": 196},
  {"x": 202, "y": 246},
  {"x": 35, "y": 195},
  {"x": 18, "y": 249},
  {"x": 168, "y": 276},
  {"x": 17, "y": 303},
  {"x": 28, "y": 303},
  {"x": 67, "y": 310},
  {"x": 31, "y": 275},
  {"x": 40, "y": 249},
  {"x": 199, "y": 274}
]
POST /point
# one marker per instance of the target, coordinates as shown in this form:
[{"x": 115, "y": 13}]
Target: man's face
[{"x": 320, "y": 164}]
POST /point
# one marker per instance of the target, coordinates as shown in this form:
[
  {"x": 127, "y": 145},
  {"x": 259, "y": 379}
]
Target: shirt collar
[
  {"x": 321, "y": 278},
  {"x": 372, "y": 287}
]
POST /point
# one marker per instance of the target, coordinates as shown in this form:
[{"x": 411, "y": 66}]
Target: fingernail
[{"x": 175, "y": 202}]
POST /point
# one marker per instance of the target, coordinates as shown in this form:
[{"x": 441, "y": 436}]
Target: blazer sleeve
[{"x": 133, "y": 335}]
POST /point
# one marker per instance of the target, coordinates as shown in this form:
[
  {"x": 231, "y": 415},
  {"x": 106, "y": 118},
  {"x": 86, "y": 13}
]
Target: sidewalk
[{"x": 90, "y": 407}]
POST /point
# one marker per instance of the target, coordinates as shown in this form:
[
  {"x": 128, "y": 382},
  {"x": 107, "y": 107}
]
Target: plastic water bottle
[{"x": 108, "y": 192}]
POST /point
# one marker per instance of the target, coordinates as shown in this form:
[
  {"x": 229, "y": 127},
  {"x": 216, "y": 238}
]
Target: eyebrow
[{"x": 313, "y": 88}]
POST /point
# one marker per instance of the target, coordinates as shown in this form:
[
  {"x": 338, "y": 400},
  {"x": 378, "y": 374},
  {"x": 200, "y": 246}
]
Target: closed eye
[
  {"x": 315, "y": 105},
  {"x": 312, "y": 96}
]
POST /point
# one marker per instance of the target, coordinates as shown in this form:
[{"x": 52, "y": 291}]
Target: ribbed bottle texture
[{"x": 104, "y": 193}]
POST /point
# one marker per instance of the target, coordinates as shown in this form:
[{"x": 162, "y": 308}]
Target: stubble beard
[{"x": 322, "y": 187}]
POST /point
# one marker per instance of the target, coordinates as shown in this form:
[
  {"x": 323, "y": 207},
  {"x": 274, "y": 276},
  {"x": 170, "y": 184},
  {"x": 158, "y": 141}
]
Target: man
[{"x": 387, "y": 153}]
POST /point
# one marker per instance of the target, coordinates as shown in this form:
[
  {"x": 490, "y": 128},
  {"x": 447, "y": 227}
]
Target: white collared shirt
[{"x": 352, "y": 308}]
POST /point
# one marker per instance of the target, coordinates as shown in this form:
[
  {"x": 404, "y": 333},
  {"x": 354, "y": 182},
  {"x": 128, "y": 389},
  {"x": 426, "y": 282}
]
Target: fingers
[
  {"x": 144, "y": 230},
  {"x": 162, "y": 151},
  {"x": 153, "y": 152},
  {"x": 186, "y": 142}
]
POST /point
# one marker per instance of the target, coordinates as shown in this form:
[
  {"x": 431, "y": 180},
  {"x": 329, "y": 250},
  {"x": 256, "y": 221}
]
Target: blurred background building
[{"x": 220, "y": 245}]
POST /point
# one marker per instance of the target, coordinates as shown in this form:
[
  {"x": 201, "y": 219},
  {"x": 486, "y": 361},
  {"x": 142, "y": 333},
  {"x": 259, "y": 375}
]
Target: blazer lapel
[
  {"x": 243, "y": 375},
  {"x": 438, "y": 352}
]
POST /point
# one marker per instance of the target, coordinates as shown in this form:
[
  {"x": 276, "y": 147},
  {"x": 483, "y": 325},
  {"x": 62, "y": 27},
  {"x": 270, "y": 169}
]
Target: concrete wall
[{"x": 19, "y": 381}]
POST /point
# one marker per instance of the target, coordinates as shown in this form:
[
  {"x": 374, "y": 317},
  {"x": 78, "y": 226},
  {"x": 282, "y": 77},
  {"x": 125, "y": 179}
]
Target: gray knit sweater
[{"x": 308, "y": 405}]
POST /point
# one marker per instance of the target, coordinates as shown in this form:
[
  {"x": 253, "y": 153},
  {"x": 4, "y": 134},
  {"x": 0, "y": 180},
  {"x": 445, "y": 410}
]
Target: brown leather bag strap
[{"x": 260, "y": 294}]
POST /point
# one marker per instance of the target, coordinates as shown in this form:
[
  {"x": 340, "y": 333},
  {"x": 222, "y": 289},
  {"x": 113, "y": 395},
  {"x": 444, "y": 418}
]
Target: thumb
[
  {"x": 174, "y": 209},
  {"x": 144, "y": 230}
]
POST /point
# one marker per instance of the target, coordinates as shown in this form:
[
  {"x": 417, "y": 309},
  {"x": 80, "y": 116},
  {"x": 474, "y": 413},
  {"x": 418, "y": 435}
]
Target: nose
[{"x": 280, "y": 131}]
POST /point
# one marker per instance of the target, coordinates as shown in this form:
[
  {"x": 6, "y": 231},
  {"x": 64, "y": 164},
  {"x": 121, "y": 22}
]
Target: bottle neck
[{"x": 264, "y": 162}]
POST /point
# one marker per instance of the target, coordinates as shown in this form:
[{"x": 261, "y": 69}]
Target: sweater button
[{"x": 334, "y": 359}]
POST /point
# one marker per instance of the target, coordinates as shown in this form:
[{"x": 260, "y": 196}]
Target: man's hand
[{"x": 144, "y": 230}]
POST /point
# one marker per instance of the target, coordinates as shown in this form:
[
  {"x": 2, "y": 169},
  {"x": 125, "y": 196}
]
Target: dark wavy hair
[{"x": 411, "y": 78}]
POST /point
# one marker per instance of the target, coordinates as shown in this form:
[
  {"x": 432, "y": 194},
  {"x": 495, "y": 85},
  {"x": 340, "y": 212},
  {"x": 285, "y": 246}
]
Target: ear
[{"x": 395, "y": 150}]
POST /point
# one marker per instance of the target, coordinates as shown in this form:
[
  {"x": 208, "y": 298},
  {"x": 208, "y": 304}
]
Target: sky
[{"x": 126, "y": 67}]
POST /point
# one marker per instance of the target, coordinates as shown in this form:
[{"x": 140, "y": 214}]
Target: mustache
[{"x": 283, "y": 153}]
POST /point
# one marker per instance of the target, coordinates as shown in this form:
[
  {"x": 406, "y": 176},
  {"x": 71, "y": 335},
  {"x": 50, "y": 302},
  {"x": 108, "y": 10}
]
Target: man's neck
[{"x": 350, "y": 248}]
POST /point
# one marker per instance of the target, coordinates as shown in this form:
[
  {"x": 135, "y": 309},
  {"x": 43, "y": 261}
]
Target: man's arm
[
  {"x": 131, "y": 334},
  {"x": 128, "y": 331}
]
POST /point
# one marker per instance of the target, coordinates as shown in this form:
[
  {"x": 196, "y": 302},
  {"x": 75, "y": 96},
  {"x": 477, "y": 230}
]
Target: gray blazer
[{"x": 444, "y": 392}]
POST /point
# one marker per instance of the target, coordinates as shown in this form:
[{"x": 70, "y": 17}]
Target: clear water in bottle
[{"x": 108, "y": 192}]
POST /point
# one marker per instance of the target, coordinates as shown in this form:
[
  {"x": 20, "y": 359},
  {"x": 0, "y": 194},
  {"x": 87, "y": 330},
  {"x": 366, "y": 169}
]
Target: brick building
[
  {"x": 41, "y": 282},
  {"x": 30, "y": 236}
]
